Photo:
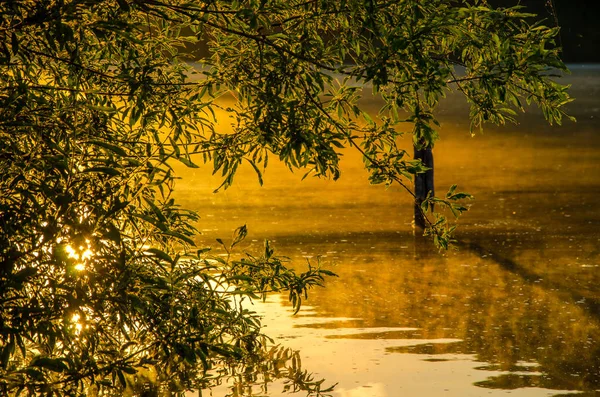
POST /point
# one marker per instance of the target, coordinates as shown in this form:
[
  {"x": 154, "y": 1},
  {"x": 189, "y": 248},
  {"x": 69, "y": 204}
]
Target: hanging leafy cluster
[
  {"x": 297, "y": 71},
  {"x": 100, "y": 278}
]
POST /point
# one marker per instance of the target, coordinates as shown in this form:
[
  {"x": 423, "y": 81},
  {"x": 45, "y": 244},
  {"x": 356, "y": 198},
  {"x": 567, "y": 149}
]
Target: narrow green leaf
[
  {"x": 51, "y": 364},
  {"x": 258, "y": 173},
  {"x": 160, "y": 254},
  {"x": 239, "y": 235},
  {"x": 103, "y": 170},
  {"x": 187, "y": 162},
  {"x": 113, "y": 148}
]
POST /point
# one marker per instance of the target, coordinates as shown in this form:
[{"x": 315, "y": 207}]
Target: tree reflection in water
[
  {"x": 540, "y": 327},
  {"x": 523, "y": 323}
]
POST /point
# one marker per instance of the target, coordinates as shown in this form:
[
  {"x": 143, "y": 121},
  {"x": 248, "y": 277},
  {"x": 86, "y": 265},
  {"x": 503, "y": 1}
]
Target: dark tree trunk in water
[{"x": 423, "y": 183}]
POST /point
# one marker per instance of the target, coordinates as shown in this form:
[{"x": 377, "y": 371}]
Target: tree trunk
[{"x": 423, "y": 183}]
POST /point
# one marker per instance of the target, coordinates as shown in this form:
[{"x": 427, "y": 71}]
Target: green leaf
[
  {"x": 225, "y": 351},
  {"x": 121, "y": 377},
  {"x": 460, "y": 196},
  {"x": 258, "y": 173},
  {"x": 187, "y": 162},
  {"x": 129, "y": 370},
  {"x": 239, "y": 235},
  {"x": 160, "y": 254},
  {"x": 113, "y": 233},
  {"x": 451, "y": 191},
  {"x": 7, "y": 352},
  {"x": 51, "y": 364},
  {"x": 203, "y": 357},
  {"x": 14, "y": 42},
  {"x": 162, "y": 220},
  {"x": 160, "y": 225},
  {"x": 23, "y": 274},
  {"x": 35, "y": 374},
  {"x": 186, "y": 352},
  {"x": 113, "y": 148}
]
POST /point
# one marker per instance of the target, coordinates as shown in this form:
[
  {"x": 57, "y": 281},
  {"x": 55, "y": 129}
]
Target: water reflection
[{"x": 516, "y": 309}]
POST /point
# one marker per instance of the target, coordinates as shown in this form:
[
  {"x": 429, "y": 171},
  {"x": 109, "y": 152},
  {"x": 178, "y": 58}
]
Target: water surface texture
[{"x": 515, "y": 310}]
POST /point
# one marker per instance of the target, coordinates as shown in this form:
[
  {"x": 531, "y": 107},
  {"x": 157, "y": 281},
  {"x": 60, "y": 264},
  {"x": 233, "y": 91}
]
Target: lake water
[{"x": 515, "y": 310}]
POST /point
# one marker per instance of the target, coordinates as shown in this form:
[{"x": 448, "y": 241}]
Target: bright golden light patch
[
  {"x": 72, "y": 253},
  {"x": 75, "y": 319},
  {"x": 86, "y": 254},
  {"x": 81, "y": 255}
]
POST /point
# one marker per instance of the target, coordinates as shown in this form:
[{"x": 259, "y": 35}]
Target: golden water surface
[{"x": 515, "y": 310}]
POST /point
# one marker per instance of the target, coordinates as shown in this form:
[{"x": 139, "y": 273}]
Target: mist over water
[{"x": 516, "y": 309}]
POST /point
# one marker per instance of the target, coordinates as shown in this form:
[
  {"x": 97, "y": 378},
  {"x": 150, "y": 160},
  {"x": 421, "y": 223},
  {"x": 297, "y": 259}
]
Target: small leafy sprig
[
  {"x": 256, "y": 276},
  {"x": 440, "y": 229}
]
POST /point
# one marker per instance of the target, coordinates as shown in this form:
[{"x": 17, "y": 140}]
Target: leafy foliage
[
  {"x": 296, "y": 70},
  {"x": 99, "y": 276}
]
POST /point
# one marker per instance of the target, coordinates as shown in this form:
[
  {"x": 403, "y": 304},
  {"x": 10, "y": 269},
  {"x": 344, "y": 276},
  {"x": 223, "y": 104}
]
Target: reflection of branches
[{"x": 277, "y": 363}]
